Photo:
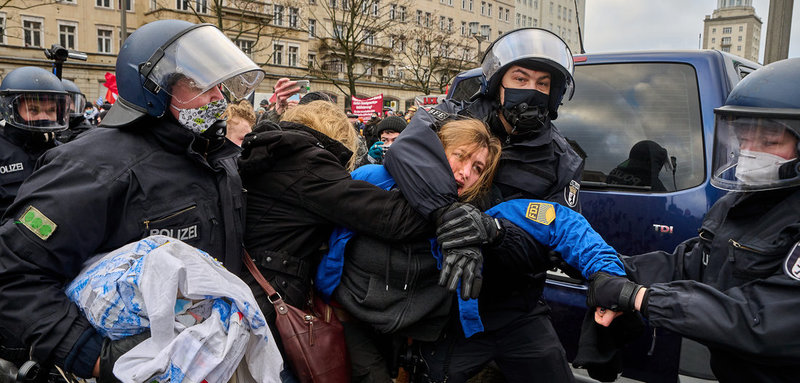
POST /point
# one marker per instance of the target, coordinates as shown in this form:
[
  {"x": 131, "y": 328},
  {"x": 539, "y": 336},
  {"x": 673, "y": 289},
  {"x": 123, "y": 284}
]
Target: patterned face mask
[{"x": 200, "y": 119}]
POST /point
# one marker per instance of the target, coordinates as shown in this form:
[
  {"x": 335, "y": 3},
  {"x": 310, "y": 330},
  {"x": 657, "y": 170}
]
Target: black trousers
[{"x": 526, "y": 350}]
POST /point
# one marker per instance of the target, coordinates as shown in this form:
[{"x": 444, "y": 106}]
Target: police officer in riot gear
[
  {"x": 736, "y": 286},
  {"x": 527, "y": 73},
  {"x": 160, "y": 165},
  {"x": 77, "y": 121},
  {"x": 34, "y": 105}
]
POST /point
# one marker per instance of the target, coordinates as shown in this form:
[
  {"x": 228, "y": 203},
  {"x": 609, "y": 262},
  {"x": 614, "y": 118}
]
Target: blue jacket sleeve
[
  {"x": 564, "y": 231},
  {"x": 419, "y": 166}
]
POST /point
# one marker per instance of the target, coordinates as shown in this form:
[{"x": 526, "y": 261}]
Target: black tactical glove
[
  {"x": 462, "y": 263},
  {"x": 112, "y": 350},
  {"x": 462, "y": 225},
  {"x": 611, "y": 292}
]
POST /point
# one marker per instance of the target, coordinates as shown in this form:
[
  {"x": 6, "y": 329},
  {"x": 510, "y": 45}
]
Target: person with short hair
[{"x": 387, "y": 130}]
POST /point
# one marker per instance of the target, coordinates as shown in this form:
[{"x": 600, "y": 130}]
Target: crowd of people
[{"x": 428, "y": 233}]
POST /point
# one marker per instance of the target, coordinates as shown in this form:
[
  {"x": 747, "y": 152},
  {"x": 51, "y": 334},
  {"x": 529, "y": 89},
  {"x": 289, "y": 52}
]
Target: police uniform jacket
[
  {"x": 298, "y": 191},
  {"x": 735, "y": 287},
  {"x": 93, "y": 195},
  {"x": 541, "y": 167},
  {"x": 16, "y": 163}
]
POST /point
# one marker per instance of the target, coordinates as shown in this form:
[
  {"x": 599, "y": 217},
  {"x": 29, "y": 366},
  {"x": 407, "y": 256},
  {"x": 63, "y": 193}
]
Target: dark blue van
[{"x": 644, "y": 123}]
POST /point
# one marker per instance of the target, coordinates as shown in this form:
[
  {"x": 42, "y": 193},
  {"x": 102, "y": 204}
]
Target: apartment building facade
[
  {"x": 403, "y": 40},
  {"x": 733, "y": 27}
]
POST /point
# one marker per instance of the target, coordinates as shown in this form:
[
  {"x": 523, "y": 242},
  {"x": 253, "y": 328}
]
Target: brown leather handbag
[{"x": 313, "y": 341}]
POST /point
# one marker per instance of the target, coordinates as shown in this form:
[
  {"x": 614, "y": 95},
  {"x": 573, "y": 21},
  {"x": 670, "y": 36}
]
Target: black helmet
[
  {"x": 159, "y": 54},
  {"x": 34, "y": 99},
  {"x": 77, "y": 98},
  {"x": 533, "y": 48},
  {"x": 757, "y": 135}
]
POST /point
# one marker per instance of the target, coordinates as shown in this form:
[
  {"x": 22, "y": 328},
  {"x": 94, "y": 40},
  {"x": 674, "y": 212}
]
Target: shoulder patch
[
  {"x": 571, "y": 193},
  {"x": 38, "y": 223},
  {"x": 539, "y": 212},
  {"x": 792, "y": 264},
  {"x": 438, "y": 114}
]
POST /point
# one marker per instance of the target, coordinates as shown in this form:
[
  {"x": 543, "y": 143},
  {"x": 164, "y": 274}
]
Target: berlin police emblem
[
  {"x": 571, "y": 193},
  {"x": 792, "y": 265}
]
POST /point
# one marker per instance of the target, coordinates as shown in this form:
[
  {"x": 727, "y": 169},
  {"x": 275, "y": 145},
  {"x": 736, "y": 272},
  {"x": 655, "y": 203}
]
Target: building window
[
  {"x": 277, "y": 14},
  {"x": 463, "y": 28},
  {"x": 376, "y": 8},
  {"x": 312, "y": 2},
  {"x": 507, "y": 12},
  {"x": 246, "y": 46},
  {"x": 369, "y": 37},
  {"x": 277, "y": 54},
  {"x": 741, "y": 28},
  {"x": 740, "y": 38},
  {"x": 392, "y": 11},
  {"x": 713, "y": 40},
  {"x": 726, "y": 30},
  {"x": 419, "y": 17},
  {"x": 66, "y": 34},
  {"x": 428, "y": 19},
  {"x": 559, "y": 12},
  {"x": 293, "y": 17},
  {"x": 726, "y": 49},
  {"x": 738, "y": 48},
  {"x": 489, "y": 12},
  {"x": 726, "y": 41},
  {"x": 713, "y": 30},
  {"x": 483, "y": 7},
  {"x": 346, "y": 5},
  {"x": 32, "y": 31},
  {"x": 2, "y": 28},
  {"x": 332, "y": 4},
  {"x": 473, "y": 27},
  {"x": 103, "y": 3},
  {"x": 128, "y": 5},
  {"x": 200, "y": 6},
  {"x": 449, "y": 25},
  {"x": 293, "y": 51},
  {"x": 402, "y": 13},
  {"x": 312, "y": 60},
  {"x": 470, "y": 9},
  {"x": 104, "y": 40},
  {"x": 312, "y": 28},
  {"x": 518, "y": 16},
  {"x": 441, "y": 22},
  {"x": 338, "y": 31}
]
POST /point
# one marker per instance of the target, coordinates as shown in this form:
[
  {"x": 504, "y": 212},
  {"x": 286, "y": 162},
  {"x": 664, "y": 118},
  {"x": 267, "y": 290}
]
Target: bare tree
[
  {"x": 432, "y": 54},
  {"x": 252, "y": 24},
  {"x": 23, "y": 4},
  {"x": 353, "y": 38}
]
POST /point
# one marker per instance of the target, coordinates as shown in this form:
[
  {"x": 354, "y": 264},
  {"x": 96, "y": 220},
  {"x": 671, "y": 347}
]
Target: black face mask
[{"x": 526, "y": 110}]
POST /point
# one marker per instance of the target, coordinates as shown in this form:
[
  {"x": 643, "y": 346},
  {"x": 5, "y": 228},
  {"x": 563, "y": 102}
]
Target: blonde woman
[{"x": 241, "y": 119}]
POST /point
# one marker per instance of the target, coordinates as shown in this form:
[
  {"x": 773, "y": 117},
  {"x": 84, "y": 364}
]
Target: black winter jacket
[
  {"x": 298, "y": 191},
  {"x": 735, "y": 287},
  {"x": 96, "y": 194},
  {"x": 18, "y": 155},
  {"x": 542, "y": 167}
]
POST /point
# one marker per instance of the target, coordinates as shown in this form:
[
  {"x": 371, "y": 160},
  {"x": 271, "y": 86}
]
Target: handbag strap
[{"x": 278, "y": 303}]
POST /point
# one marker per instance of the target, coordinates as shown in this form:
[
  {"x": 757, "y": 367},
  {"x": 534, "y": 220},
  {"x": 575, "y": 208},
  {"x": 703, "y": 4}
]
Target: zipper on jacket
[
  {"x": 652, "y": 344},
  {"x": 159, "y": 219},
  {"x": 737, "y": 245}
]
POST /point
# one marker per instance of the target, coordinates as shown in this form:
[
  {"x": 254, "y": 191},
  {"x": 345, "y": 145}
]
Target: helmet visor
[
  {"x": 202, "y": 58},
  {"x": 755, "y": 153},
  {"x": 77, "y": 103},
  {"x": 530, "y": 44},
  {"x": 38, "y": 112}
]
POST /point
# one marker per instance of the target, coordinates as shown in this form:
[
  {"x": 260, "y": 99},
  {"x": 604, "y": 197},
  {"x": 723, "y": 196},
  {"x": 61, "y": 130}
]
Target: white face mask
[
  {"x": 758, "y": 167},
  {"x": 200, "y": 119}
]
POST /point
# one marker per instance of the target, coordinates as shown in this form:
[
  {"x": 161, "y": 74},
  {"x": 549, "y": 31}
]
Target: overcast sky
[{"x": 614, "y": 25}]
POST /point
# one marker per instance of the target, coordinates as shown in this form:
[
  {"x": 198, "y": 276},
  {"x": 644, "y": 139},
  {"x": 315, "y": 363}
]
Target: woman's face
[{"x": 468, "y": 163}]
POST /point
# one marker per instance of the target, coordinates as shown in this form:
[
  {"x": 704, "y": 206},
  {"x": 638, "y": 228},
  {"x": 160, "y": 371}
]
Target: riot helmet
[
  {"x": 158, "y": 56},
  {"x": 77, "y": 98},
  {"x": 34, "y": 99},
  {"x": 536, "y": 49},
  {"x": 757, "y": 135}
]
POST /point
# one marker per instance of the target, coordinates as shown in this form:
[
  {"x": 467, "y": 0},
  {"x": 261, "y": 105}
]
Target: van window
[{"x": 638, "y": 125}]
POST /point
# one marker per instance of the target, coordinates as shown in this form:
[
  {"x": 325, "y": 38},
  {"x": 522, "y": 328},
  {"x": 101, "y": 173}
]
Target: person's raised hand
[{"x": 284, "y": 88}]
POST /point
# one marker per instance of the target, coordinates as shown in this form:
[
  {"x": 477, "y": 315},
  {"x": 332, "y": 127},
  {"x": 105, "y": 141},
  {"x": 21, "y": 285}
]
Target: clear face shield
[
  {"x": 37, "y": 112},
  {"x": 77, "y": 104},
  {"x": 201, "y": 59},
  {"x": 755, "y": 153},
  {"x": 537, "y": 44}
]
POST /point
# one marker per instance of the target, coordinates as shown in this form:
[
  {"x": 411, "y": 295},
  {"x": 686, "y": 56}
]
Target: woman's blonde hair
[
  {"x": 243, "y": 110},
  {"x": 473, "y": 133},
  {"x": 329, "y": 120}
]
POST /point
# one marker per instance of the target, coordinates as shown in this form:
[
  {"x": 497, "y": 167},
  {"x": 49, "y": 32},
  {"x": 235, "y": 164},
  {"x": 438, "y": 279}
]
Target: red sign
[
  {"x": 364, "y": 107},
  {"x": 111, "y": 83}
]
